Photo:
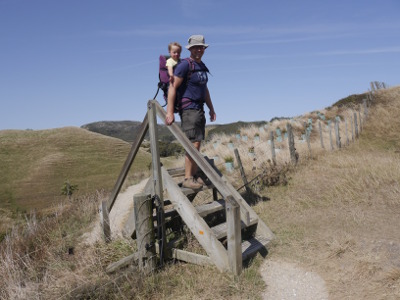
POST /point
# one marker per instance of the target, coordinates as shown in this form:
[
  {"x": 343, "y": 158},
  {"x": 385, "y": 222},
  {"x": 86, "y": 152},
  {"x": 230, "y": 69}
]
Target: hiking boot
[
  {"x": 199, "y": 180},
  {"x": 191, "y": 183}
]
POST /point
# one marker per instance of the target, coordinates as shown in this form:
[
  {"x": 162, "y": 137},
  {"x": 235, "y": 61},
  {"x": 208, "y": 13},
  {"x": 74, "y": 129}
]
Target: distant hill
[
  {"x": 35, "y": 165},
  {"x": 127, "y": 130}
]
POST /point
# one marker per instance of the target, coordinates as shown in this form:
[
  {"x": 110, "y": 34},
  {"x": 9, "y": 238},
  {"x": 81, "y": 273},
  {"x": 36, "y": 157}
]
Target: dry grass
[{"x": 336, "y": 215}]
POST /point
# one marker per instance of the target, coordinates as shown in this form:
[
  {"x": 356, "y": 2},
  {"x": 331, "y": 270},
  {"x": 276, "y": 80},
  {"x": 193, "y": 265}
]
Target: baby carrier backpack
[{"x": 163, "y": 76}]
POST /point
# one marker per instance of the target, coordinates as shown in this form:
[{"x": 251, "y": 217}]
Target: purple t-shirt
[{"x": 193, "y": 92}]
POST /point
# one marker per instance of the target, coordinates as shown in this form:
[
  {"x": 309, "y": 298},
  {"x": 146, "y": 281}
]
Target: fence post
[
  {"x": 307, "y": 138},
  {"x": 157, "y": 178},
  {"x": 347, "y": 135},
  {"x": 273, "y": 148},
  {"x": 292, "y": 149},
  {"x": 239, "y": 161},
  {"x": 352, "y": 128},
  {"x": 106, "y": 221},
  {"x": 355, "y": 124},
  {"x": 337, "y": 132},
  {"x": 234, "y": 235},
  {"x": 359, "y": 117},
  {"x": 330, "y": 136},
  {"x": 320, "y": 134},
  {"x": 143, "y": 210},
  {"x": 365, "y": 109}
]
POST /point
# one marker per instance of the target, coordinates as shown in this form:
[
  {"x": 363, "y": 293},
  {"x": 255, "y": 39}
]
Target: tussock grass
[{"x": 336, "y": 214}]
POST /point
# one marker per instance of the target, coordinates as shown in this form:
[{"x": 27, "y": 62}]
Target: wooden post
[
  {"x": 330, "y": 136},
  {"x": 106, "y": 221},
  {"x": 360, "y": 119},
  {"x": 239, "y": 161},
  {"x": 273, "y": 148},
  {"x": 337, "y": 133},
  {"x": 347, "y": 134},
  {"x": 292, "y": 149},
  {"x": 365, "y": 109},
  {"x": 234, "y": 235},
  {"x": 157, "y": 178},
  {"x": 355, "y": 124},
  {"x": 145, "y": 232},
  {"x": 320, "y": 134},
  {"x": 352, "y": 128},
  {"x": 307, "y": 138}
]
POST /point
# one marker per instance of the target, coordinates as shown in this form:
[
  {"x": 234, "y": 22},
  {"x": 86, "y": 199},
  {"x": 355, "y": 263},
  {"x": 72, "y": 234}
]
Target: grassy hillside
[
  {"x": 336, "y": 214},
  {"x": 35, "y": 165}
]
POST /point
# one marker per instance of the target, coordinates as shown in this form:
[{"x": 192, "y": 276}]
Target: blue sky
[{"x": 68, "y": 63}]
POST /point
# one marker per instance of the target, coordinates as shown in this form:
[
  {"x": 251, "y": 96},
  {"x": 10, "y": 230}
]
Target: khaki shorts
[{"x": 193, "y": 124}]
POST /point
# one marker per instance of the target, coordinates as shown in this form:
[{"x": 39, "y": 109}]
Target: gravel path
[
  {"x": 284, "y": 281},
  {"x": 287, "y": 281}
]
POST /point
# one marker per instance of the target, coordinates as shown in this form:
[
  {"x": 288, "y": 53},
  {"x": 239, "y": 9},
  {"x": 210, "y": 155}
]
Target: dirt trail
[{"x": 283, "y": 280}]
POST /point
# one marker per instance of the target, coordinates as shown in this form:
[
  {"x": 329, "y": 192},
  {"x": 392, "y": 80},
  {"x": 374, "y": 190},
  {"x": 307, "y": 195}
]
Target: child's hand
[{"x": 171, "y": 80}]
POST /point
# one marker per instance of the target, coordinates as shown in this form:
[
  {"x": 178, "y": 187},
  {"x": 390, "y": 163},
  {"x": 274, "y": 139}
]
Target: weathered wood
[
  {"x": 330, "y": 135},
  {"x": 255, "y": 245},
  {"x": 242, "y": 173},
  {"x": 191, "y": 257},
  {"x": 105, "y": 221},
  {"x": 128, "y": 162},
  {"x": 273, "y": 154},
  {"x": 337, "y": 133},
  {"x": 320, "y": 135},
  {"x": 157, "y": 178},
  {"x": 292, "y": 149},
  {"x": 355, "y": 125},
  {"x": 223, "y": 187},
  {"x": 145, "y": 233},
  {"x": 196, "y": 224},
  {"x": 234, "y": 236},
  {"x": 130, "y": 228},
  {"x": 347, "y": 134},
  {"x": 365, "y": 109},
  {"x": 360, "y": 119},
  {"x": 122, "y": 263},
  {"x": 307, "y": 134},
  {"x": 352, "y": 128}
]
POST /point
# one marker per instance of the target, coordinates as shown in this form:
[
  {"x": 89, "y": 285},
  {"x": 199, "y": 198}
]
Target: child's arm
[{"x": 171, "y": 74}]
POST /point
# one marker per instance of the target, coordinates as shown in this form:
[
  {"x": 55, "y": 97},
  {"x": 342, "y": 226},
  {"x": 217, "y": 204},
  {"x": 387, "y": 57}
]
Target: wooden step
[
  {"x": 203, "y": 210},
  {"x": 221, "y": 230},
  {"x": 253, "y": 246}
]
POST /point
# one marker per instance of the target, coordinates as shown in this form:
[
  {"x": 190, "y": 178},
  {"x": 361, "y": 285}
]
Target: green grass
[{"x": 35, "y": 165}]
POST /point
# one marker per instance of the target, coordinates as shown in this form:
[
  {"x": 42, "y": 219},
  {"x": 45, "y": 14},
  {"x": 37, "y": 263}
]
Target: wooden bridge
[{"x": 235, "y": 235}]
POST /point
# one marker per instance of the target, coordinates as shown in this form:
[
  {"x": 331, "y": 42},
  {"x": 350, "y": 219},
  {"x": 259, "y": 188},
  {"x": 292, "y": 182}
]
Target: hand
[
  {"x": 169, "y": 119},
  {"x": 213, "y": 116}
]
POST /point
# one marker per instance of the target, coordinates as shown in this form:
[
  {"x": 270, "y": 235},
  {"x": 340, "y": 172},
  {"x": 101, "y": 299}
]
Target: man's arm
[{"x": 210, "y": 106}]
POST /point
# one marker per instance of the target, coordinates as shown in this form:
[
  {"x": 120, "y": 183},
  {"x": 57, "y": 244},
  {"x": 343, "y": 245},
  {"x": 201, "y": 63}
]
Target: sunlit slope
[{"x": 35, "y": 164}]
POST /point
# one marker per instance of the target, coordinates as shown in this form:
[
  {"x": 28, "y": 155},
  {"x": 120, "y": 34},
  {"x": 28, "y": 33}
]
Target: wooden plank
[
  {"x": 224, "y": 187},
  {"x": 234, "y": 236},
  {"x": 145, "y": 233},
  {"x": 273, "y": 154},
  {"x": 105, "y": 217},
  {"x": 196, "y": 155},
  {"x": 156, "y": 173},
  {"x": 242, "y": 173},
  {"x": 255, "y": 245},
  {"x": 190, "y": 257},
  {"x": 122, "y": 263},
  {"x": 196, "y": 224},
  {"x": 220, "y": 231},
  {"x": 128, "y": 162}
]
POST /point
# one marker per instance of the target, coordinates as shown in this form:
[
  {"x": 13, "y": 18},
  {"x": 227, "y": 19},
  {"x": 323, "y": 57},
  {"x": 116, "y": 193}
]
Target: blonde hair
[{"x": 174, "y": 44}]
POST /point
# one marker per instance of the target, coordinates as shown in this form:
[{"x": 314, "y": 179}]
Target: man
[{"x": 190, "y": 84}]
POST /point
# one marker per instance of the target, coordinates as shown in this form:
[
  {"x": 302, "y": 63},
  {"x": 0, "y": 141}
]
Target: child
[{"x": 174, "y": 50}]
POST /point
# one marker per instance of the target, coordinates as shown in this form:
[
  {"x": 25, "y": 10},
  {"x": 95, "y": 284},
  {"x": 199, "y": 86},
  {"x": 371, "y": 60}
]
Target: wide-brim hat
[{"x": 196, "y": 40}]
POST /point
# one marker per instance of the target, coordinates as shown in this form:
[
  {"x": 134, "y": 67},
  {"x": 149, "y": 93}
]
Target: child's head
[{"x": 174, "y": 50}]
